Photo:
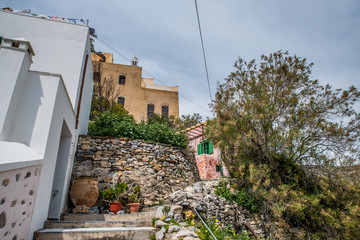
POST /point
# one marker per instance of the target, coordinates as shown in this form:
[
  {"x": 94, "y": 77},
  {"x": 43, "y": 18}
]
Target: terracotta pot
[
  {"x": 115, "y": 207},
  {"x": 84, "y": 191},
  {"x": 134, "y": 207}
]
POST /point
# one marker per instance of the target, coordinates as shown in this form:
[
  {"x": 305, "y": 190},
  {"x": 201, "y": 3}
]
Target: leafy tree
[
  {"x": 179, "y": 124},
  {"x": 273, "y": 121},
  {"x": 186, "y": 121},
  {"x": 105, "y": 93}
]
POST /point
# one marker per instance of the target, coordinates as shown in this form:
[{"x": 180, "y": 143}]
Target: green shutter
[
  {"x": 210, "y": 148},
  {"x": 200, "y": 149}
]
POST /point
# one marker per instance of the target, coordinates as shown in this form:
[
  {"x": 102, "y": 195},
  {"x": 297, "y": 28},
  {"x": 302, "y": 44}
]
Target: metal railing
[{"x": 212, "y": 235}]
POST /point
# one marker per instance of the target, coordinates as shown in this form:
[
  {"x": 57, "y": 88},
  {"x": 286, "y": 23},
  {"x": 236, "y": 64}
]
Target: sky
[{"x": 164, "y": 35}]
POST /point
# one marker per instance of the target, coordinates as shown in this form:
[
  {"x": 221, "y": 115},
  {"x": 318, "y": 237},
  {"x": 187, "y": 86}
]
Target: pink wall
[
  {"x": 17, "y": 195},
  {"x": 206, "y": 163}
]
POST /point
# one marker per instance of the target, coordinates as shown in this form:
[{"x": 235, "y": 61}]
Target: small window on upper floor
[
  {"x": 165, "y": 111},
  {"x": 218, "y": 168},
  {"x": 121, "y": 100},
  {"x": 150, "y": 109},
  {"x": 122, "y": 79}
]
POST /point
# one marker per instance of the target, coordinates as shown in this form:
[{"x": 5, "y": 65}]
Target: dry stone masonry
[{"x": 159, "y": 169}]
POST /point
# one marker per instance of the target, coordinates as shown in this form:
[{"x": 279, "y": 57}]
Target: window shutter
[
  {"x": 210, "y": 148},
  {"x": 200, "y": 149}
]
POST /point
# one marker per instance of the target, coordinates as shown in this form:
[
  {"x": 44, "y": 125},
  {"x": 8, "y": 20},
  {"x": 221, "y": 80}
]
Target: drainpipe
[{"x": 221, "y": 165}]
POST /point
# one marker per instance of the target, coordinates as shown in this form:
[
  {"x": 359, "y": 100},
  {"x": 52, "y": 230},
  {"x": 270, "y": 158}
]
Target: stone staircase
[{"x": 135, "y": 226}]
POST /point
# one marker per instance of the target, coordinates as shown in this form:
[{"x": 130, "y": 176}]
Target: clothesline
[{"x": 61, "y": 19}]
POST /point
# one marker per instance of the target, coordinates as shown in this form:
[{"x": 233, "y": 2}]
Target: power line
[
  {"x": 203, "y": 50},
  {"x": 123, "y": 56}
]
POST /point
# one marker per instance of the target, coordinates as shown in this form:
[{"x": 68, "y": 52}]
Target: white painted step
[
  {"x": 119, "y": 233},
  {"x": 96, "y": 224}
]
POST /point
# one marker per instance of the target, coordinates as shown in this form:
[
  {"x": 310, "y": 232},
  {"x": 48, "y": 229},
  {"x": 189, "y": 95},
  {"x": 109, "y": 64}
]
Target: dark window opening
[
  {"x": 122, "y": 79},
  {"x": 121, "y": 100},
  {"x": 165, "y": 111},
  {"x": 205, "y": 147},
  {"x": 150, "y": 109},
  {"x": 96, "y": 76},
  {"x": 218, "y": 168}
]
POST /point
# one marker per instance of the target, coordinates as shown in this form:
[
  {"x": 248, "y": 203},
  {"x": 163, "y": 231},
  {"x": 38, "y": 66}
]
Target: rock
[
  {"x": 160, "y": 224},
  {"x": 94, "y": 210},
  {"x": 174, "y": 228},
  {"x": 168, "y": 219},
  {"x": 197, "y": 187},
  {"x": 185, "y": 204},
  {"x": 80, "y": 209},
  {"x": 178, "y": 217},
  {"x": 184, "y": 233},
  {"x": 176, "y": 209},
  {"x": 171, "y": 214},
  {"x": 159, "y": 212},
  {"x": 183, "y": 224},
  {"x": 160, "y": 234}
]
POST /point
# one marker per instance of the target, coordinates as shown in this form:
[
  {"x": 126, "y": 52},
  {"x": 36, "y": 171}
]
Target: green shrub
[
  {"x": 221, "y": 233},
  {"x": 123, "y": 125},
  {"x": 241, "y": 197}
]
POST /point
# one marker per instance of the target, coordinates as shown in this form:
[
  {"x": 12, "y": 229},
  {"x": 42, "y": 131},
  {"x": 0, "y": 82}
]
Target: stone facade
[
  {"x": 137, "y": 92},
  {"x": 159, "y": 169}
]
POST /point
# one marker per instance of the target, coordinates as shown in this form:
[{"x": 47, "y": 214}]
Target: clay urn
[{"x": 84, "y": 191}]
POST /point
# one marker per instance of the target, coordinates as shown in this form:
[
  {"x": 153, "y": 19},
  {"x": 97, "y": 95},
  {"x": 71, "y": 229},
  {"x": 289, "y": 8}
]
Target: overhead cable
[{"x": 203, "y": 50}]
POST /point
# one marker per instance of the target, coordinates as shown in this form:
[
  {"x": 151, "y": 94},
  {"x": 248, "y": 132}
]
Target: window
[
  {"x": 218, "y": 168},
  {"x": 121, "y": 100},
  {"x": 122, "y": 79},
  {"x": 208, "y": 147},
  {"x": 150, "y": 109},
  {"x": 165, "y": 111}
]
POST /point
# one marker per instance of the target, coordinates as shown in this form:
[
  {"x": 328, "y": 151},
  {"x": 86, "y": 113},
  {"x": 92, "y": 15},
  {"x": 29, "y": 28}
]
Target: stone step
[
  {"x": 145, "y": 216},
  {"x": 96, "y": 224},
  {"x": 119, "y": 233}
]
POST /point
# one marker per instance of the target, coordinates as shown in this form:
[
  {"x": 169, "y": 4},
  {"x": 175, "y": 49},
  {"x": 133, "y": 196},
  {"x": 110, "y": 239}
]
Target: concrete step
[
  {"x": 96, "y": 224},
  {"x": 119, "y": 233},
  {"x": 141, "y": 216}
]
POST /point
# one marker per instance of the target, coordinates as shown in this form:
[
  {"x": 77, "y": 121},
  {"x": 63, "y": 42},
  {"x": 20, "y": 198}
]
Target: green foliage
[
  {"x": 186, "y": 121},
  {"x": 221, "y": 233},
  {"x": 272, "y": 122},
  {"x": 166, "y": 209},
  {"x": 116, "y": 193},
  {"x": 153, "y": 222},
  {"x": 179, "y": 124},
  {"x": 124, "y": 125},
  {"x": 135, "y": 196},
  {"x": 153, "y": 237},
  {"x": 166, "y": 227},
  {"x": 241, "y": 197}
]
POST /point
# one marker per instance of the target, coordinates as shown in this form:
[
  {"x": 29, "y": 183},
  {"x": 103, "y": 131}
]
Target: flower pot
[
  {"x": 115, "y": 207},
  {"x": 134, "y": 207},
  {"x": 84, "y": 191}
]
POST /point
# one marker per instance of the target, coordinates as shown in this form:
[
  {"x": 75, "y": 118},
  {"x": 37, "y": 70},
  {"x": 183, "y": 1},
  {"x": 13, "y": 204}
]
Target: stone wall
[{"x": 159, "y": 169}]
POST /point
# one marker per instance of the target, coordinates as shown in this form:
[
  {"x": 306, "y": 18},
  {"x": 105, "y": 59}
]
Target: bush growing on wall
[{"x": 123, "y": 125}]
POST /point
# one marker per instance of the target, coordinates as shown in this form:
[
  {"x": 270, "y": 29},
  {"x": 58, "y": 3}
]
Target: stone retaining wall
[{"x": 159, "y": 169}]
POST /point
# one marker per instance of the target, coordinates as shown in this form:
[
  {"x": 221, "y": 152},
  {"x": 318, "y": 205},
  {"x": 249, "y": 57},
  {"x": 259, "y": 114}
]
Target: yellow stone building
[{"x": 140, "y": 96}]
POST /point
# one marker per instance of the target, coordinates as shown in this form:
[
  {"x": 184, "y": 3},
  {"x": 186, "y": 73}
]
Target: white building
[{"x": 45, "y": 96}]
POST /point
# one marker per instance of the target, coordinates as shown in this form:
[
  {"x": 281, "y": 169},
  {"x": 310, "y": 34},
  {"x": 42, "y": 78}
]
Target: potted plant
[
  {"x": 115, "y": 196},
  {"x": 134, "y": 204}
]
